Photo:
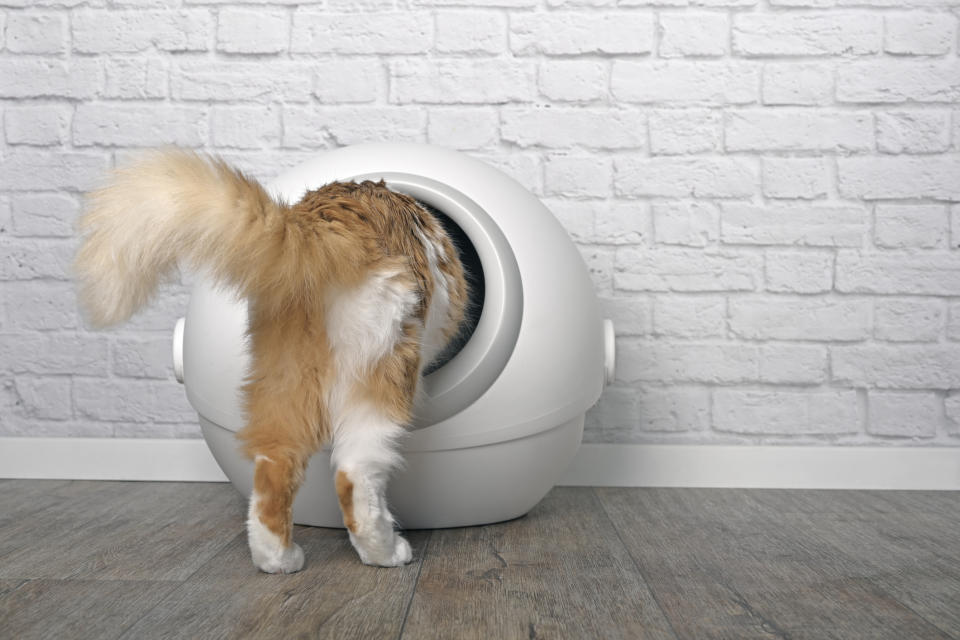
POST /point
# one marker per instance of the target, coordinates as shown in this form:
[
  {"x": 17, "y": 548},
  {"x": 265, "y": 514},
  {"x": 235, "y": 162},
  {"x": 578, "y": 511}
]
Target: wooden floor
[{"x": 150, "y": 560}]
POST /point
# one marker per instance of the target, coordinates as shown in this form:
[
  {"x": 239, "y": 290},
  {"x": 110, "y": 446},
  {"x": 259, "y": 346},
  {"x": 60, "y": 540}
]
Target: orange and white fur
[{"x": 352, "y": 291}]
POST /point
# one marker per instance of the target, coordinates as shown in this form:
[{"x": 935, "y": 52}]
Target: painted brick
[
  {"x": 456, "y": 81},
  {"x": 807, "y": 178},
  {"x": 919, "y": 33},
  {"x": 918, "y": 80},
  {"x": 96, "y": 31},
  {"x": 807, "y": 34},
  {"x": 671, "y": 362},
  {"x": 674, "y": 409},
  {"x": 623, "y": 223},
  {"x": 124, "y": 400},
  {"x": 578, "y": 217},
  {"x": 574, "y": 80},
  {"x": 361, "y": 33},
  {"x": 143, "y": 358},
  {"x": 135, "y": 78},
  {"x": 793, "y": 364},
  {"x": 602, "y": 221},
  {"x": 903, "y": 415},
  {"x": 913, "y": 415},
  {"x": 44, "y": 398},
  {"x": 795, "y": 130},
  {"x": 580, "y": 33},
  {"x": 354, "y": 125},
  {"x": 471, "y": 32},
  {"x": 252, "y": 31},
  {"x": 599, "y": 261},
  {"x": 785, "y": 412},
  {"x": 694, "y": 224},
  {"x": 46, "y": 77},
  {"x": 349, "y": 80},
  {"x": 953, "y": 323},
  {"x": 44, "y": 214},
  {"x": 265, "y": 81},
  {"x": 708, "y": 177},
  {"x": 632, "y": 316},
  {"x": 795, "y": 83},
  {"x": 901, "y": 226},
  {"x": 514, "y": 4},
  {"x": 685, "y": 82},
  {"x": 140, "y": 125},
  {"x": 684, "y": 131},
  {"x": 463, "y": 127},
  {"x": 36, "y": 259},
  {"x": 53, "y": 353},
  {"x": 798, "y": 271},
  {"x": 32, "y": 170},
  {"x": 36, "y": 33},
  {"x": 952, "y": 405},
  {"x": 526, "y": 168},
  {"x": 694, "y": 317},
  {"x": 787, "y": 318},
  {"x": 913, "y": 131},
  {"x": 874, "y": 178},
  {"x": 569, "y": 126},
  {"x": 39, "y": 306},
  {"x": 42, "y": 125},
  {"x": 661, "y": 269},
  {"x": 908, "y": 320},
  {"x": 899, "y": 366},
  {"x": 6, "y": 220},
  {"x": 796, "y": 224},
  {"x": 577, "y": 176},
  {"x": 248, "y": 127},
  {"x": 898, "y": 272},
  {"x": 694, "y": 34},
  {"x": 955, "y": 226}
]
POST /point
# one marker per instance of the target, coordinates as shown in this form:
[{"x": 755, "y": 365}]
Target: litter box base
[{"x": 435, "y": 489}]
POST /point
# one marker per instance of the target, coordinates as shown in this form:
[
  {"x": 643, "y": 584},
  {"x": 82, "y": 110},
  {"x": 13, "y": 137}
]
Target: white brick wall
[{"x": 767, "y": 194}]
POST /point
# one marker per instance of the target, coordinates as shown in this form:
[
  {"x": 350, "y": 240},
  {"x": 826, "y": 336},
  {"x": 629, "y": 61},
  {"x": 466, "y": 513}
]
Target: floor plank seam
[
  {"x": 416, "y": 583},
  {"x": 636, "y": 565},
  {"x": 176, "y": 586}
]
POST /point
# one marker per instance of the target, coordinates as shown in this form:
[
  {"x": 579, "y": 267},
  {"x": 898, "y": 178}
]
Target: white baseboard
[{"x": 631, "y": 465}]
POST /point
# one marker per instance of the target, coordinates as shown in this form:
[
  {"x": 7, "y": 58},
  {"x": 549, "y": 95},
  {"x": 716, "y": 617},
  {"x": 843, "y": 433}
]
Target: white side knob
[
  {"x": 609, "y": 351},
  {"x": 178, "y": 349}
]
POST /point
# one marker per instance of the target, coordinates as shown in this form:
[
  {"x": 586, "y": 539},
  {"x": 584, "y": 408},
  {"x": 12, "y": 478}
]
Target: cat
[{"x": 352, "y": 291}]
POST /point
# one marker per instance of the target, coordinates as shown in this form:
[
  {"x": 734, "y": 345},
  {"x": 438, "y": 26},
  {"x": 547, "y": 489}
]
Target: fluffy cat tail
[{"x": 179, "y": 205}]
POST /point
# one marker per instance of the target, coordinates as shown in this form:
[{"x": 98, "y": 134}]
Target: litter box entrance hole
[{"x": 473, "y": 272}]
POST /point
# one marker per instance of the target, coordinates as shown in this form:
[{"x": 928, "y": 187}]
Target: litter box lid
[{"x": 536, "y": 356}]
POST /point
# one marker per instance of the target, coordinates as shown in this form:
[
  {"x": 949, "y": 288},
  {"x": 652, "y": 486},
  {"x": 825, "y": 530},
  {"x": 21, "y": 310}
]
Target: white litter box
[{"x": 502, "y": 413}]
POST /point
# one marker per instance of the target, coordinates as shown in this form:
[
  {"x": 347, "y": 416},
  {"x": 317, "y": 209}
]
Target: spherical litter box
[{"x": 501, "y": 414}]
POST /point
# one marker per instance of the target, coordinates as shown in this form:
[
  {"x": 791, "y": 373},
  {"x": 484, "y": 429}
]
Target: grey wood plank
[
  {"x": 559, "y": 572},
  {"x": 121, "y": 531},
  {"x": 731, "y": 564},
  {"x": 334, "y": 596},
  {"x": 74, "y": 609}
]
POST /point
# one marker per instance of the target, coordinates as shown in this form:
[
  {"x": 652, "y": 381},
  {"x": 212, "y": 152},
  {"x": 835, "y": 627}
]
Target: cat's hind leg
[{"x": 364, "y": 454}]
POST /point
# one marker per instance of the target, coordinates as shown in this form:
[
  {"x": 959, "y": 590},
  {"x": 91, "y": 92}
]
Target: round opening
[
  {"x": 473, "y": 272},
  {"x": 472, "y": 362}
]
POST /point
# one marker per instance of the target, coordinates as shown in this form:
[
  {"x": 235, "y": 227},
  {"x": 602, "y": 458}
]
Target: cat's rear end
[{"x": 352, "y": 290}]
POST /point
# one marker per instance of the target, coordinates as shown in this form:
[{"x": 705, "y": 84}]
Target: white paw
[
  {"x": 394, "y": 553},
  {"x": 289, "y": 560}
]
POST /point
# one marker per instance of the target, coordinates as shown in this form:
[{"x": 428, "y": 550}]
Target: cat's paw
[
  {"x": 395, "y": 553},
  {"x": 289, "y": 560}
]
